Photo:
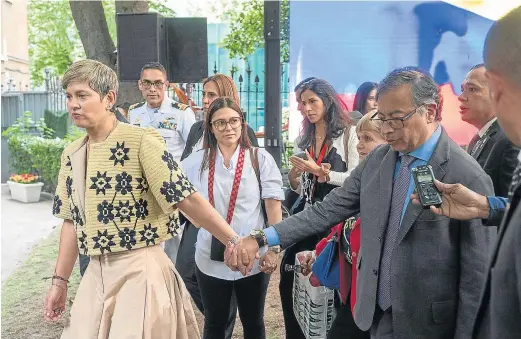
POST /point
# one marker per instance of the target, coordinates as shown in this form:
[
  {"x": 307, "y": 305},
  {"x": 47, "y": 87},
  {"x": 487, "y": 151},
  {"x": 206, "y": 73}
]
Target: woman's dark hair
[
  {"x": 302, "y": 83},
  {"x": 210, "y": 142},
  {"x": 335, "y": 117},
  {"x": 362, "y": 94}
]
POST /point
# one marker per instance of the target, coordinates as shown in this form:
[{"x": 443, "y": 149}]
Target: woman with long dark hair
[
  {"x": 365, "y": 98},
  {"x": 237, "y": 179},
  {"x": 329, "y": 154}
]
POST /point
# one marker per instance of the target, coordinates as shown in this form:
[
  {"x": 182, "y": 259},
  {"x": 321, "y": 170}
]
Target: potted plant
[{"x": 25, "y": 187}]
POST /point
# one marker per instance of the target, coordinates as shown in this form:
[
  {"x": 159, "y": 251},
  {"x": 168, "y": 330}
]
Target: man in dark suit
[
  {"x": 490, "y": 146},
  {"x": 419, "y": 274},
  {"x": 499, "y": 309}
]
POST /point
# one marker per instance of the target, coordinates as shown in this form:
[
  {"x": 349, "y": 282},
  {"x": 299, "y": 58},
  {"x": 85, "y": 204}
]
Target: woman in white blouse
[{"x": 224, "y": 171}]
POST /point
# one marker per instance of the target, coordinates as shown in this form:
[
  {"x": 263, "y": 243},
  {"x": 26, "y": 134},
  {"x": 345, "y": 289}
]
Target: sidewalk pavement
[{"x": 23, "y": 227}]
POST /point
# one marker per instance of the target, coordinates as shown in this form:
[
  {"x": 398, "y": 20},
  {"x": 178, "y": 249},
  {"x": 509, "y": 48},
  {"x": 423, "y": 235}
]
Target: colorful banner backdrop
[{"x": 350, "y": 42}]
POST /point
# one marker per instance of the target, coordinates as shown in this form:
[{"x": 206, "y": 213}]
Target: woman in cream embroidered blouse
[{"x": 119, "y": 193}]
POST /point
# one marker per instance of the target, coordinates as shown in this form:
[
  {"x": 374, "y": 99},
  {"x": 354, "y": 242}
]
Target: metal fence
[
  {"x": 251, "y": 92},
  {"x": 15, "y": 103}
]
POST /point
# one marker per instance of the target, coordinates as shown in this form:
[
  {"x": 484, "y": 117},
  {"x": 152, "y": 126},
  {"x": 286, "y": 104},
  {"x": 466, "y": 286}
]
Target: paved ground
[{"x": 23, "y": 227}]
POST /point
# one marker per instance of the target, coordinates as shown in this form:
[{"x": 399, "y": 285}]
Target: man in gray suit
[
  {"x": 499, "y": 311},
  {"x": 419, "y": 274}
]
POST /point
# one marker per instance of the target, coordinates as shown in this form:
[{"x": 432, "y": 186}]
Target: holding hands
[{"x": 242, "y": 255}]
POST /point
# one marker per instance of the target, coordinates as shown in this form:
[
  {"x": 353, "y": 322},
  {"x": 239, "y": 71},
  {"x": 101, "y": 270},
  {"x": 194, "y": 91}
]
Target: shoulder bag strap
[{"x": 254, "y": 157}]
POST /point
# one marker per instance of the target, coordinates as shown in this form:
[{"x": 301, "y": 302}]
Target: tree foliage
[
  {"x": 247, "y": 28},
  {"x": 54, "y": 42}
]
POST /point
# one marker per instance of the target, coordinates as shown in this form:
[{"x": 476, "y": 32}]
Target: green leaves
[
  {"x": 32, "y": 149},
  {"x": 247, "y": 28}
]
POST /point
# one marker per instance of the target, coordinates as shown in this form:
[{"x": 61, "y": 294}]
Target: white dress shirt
[
  {"x": 171, "y": 122},
  {"x": 485, "y": 128},
  {"x": 247, "y": 214}
]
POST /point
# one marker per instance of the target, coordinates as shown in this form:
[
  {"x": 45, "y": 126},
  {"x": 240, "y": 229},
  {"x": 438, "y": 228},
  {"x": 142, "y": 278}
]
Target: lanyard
[
  {"x": 235, "y": 187},
  {"x": 321, "y": 155}
]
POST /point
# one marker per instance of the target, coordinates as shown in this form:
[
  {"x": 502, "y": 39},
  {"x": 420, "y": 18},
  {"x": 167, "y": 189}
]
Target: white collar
[
  {"x": 163, "y": 107},
  {"x": 485, "y": 128},
  {"x": 233, "y": 160}
]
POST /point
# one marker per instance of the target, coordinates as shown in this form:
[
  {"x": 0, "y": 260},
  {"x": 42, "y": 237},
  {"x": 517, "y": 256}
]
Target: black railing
[{"x": 251, "y": 93}]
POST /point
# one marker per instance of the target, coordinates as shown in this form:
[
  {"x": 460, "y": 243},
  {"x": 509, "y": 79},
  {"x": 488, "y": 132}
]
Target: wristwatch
[
  {"x": 275, "y": 249},
  {"x": 260, "y": 237}
]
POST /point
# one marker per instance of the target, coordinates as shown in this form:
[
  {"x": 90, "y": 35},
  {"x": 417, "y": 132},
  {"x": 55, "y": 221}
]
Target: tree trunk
[
  {"x": 128, "y": 90},
  {"x": 89, "y": 17},
  {"x": 136, "y": 6}
]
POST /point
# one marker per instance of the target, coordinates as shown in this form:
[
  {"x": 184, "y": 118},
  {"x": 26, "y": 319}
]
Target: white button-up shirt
[
  {"x": 171, "y": 122},
  {"x": 247, "y": 214}
]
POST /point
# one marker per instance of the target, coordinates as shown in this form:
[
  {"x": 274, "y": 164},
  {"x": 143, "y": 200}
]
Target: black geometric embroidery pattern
[
  {"x": 124, "y": 183},
  {"x": 68, "y": 186},
  {"x": 142, "y": 184},
  {"x": 127, "y": 238},
  {"x": 83, "y": 243},
  {"x": 100, "y": 183},
  {"x": 76, "y": 218},
  {"x": 103, "y": 241},
  {"x": 170, "y": 162},
  {"x": 105, "y": 210},
  {"x": 149, "y": 234},
  {"x": 119, "y": 154},
  {"x": 124, "y": 211},
  {"x": 172, "y": 226},
  {"x": 68, "y": 164},
  {"x": 56, "y": 205},
  {"x": 141, "y": 209}
]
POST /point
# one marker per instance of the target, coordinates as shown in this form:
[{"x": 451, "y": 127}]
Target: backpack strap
[{"x": 254, "y": 157}]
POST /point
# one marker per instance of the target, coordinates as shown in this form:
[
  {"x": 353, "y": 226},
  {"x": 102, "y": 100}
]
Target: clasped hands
[{"x": 241, "y": 257}]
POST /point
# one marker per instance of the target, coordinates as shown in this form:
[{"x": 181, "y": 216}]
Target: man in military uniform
[{"x": 171, "y": 119}]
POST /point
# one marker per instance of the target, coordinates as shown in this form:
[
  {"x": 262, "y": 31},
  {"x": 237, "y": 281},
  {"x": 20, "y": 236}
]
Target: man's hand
[
  {"x": 268, "y": 262},
  {"x": 459, "y": 202},
  {"x": 241, "y": 257}
]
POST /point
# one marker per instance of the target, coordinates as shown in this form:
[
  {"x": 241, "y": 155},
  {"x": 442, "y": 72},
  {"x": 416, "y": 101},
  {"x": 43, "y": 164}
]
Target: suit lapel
[
  {"x": 486, "y": 138},
  {"x": 438, "y": 161},
  {"x": 386, "y": 187},
  {"x": 78, "y": 164}
]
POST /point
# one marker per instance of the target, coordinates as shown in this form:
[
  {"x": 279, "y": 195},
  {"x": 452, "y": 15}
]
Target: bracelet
[
  {"x": 63, "y": 288},
  {"x": 60, "y": 278},
  {"x": 233, "y": 241}
]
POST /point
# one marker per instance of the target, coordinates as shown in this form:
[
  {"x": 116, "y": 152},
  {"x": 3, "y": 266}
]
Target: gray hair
[
  {"x": 423, "y": 87},
  {"x": 502, "y": 51},
  {"x": 100, "y": 78}
]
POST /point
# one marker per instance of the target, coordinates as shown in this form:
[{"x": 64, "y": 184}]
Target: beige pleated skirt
[{"x": 131, "y": 295}]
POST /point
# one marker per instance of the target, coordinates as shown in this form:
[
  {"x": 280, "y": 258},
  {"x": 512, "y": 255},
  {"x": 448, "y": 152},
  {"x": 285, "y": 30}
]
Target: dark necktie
[
  {"x": 473, "y": 143},
  {"x": 400, "y": 189},
  {"x": 515, "y": 181}
]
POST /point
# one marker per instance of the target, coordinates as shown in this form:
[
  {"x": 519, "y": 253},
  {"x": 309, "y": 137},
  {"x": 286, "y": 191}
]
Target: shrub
[
  {"x": 58, "y": 121},
  {"x": 33, "y": 151}
]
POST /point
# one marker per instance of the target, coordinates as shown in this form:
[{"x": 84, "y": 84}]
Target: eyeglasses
[
  {"x": 220, "y": 124},
  {"x": 147, "y": 84},
  {"x": 395, "y": 123}
]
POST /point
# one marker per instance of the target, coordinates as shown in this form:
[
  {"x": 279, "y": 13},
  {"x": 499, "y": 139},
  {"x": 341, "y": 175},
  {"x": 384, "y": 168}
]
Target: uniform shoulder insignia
[
  {"x": 139, "y": 104},
  {"x": 179, "y": 105}
]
